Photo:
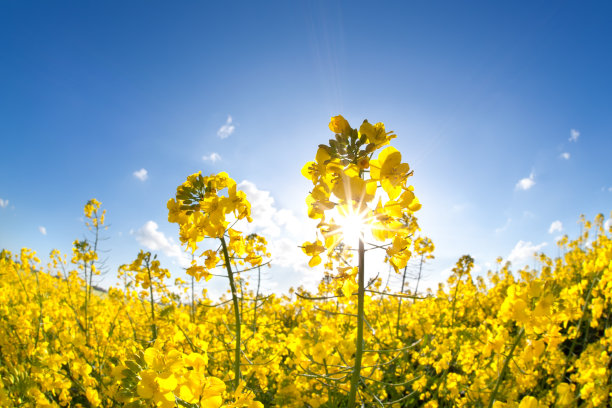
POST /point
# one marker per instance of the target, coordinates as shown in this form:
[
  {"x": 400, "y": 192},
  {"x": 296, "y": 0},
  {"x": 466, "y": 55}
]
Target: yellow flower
[
  {"x": 353, "y": 188},
  {"x": 390, "y": 170},
  {"x": 93, "y": 397},
  {"x": 147, "y": 387},
  {"x": 318, "y": 202},
  {"x": 314, "y": 170},
  {"x": 565, "y": 395},
  {"x": 529, "y": 402},
  {"x": 313, "y": 249},
  {"x": 339, "y": 125},
  {"x": 198, "y": 271},
  {"x": 211, "y": 258},
  {"x": 375, "y": 134}
]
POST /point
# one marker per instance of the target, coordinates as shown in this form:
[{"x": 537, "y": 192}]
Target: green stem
[
  {"x": 256, "y": 299},
  {"x": 416, "y": 289},
  {"x": 86, "y": 306},
  {"x": 40, "y": 310},
  {"x": 230, "y": 275},
  {"x": 399, "y": 304},
  {"x": 455, "y": 301},
  {"x": 89, "y": 279},
  {"x": 505, "y": 367},
  {"x": 360, "y": 318},
  {"x": 585, "y": 309},
  {"x": 153, "y": 326},
  {"x": 193, "y": 307}
]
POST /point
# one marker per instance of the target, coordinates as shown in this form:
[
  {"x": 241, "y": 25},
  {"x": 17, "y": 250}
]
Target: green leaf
[
  {"x": 135, "y": 368},
  {"x": 167, "y": 311}
]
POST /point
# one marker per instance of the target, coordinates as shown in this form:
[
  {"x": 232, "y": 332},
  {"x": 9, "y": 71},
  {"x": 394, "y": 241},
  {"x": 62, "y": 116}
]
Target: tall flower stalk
[
  {"x": 347, "y": 181},
  {"x": 208, "y": 207},
  {"x": 149, "y": 275},
  {"x": 85, "y": 255}
]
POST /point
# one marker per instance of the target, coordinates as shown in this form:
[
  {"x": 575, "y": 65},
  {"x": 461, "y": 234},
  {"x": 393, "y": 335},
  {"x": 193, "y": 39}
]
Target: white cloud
[
  {"x": 504, "y": 227},
  {"x": 574, "y": 135},
  {"x": 608, "y": 224},
  {"x": 4, "y": 203},
  {"x": 446, "y": 273},
  {"x": 565, "y": 155},
  {"x": 524, "y": 251},
  {"x": 281, "y": 228},
  {"x": 154, "y": 240},
  {"x": 213, "y": 157},
  {"x": 226, "y": 130},
  {"x": 556, "y": 226},
  {"x": 267, "y": 219},
  {"x": 526, "y": 183},
  {"x": 286, "y": 253},
  {"x": 141, "y": 174},
  {"x": 42, "y": 230}
]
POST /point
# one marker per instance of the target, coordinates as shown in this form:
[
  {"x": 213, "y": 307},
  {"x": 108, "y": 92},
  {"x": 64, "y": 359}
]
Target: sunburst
[{"x": 352, "y": 224}]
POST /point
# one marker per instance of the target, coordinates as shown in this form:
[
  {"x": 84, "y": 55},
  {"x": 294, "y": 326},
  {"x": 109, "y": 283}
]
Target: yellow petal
[
  {"x": 322, "y": 155},
  {"x": 390, "y": 153},
  {"x": 339, "y": 125},
  {"x": 167, "y": 382},
  {"x": 150, "y": 355},
  {"x": 347, "y": 288},
  {"x": 306, "y": 171},
  {"x": 314, "y": 261}
]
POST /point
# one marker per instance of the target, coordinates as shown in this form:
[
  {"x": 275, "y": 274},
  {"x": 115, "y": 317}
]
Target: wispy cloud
[
  {"x": 504, "y": 227},
  {"x": 458, "y": 208},
  {"x": 574, "y": 135},
  {"x": 4, "y": 203},
  {"x": 226, "y": 130},
  {"x": 154, "y": 240},
  {"x": 608, "y": 224},
  {"x": 526, "y": 183},
  {"x": 213, "y": 157},
  {"x": 528, "y": 214},
  {"x": 42, "y": 230},
  {"x": 556, "y": 226},
  {"x": 141, "y": 174},
  {"x": 565, "y": 155},
  {"x": 524, "y": 251}
]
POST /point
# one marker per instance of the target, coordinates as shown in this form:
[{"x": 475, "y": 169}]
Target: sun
[{"x": 352, "y": 225}]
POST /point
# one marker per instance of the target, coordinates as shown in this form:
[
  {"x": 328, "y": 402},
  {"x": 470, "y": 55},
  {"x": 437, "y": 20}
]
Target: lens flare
[{"x": 352, "y": 225}]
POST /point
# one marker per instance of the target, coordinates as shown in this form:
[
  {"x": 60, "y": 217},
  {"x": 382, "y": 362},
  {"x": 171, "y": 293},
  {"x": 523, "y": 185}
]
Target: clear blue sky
[{"x": 484, "y": 96}]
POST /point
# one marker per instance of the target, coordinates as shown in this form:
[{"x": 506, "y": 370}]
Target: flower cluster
[
  {"x": 171, "y": 377},
  {"x": 361, "y": 189},
  {"x": 203, "y": 206}
]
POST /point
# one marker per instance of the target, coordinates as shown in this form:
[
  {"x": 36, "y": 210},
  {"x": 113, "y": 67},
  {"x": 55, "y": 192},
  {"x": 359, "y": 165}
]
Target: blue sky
[{"x": 503, "y": 110}]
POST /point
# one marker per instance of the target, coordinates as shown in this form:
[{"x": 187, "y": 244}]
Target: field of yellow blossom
[{"x": 523, "y": 338}]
